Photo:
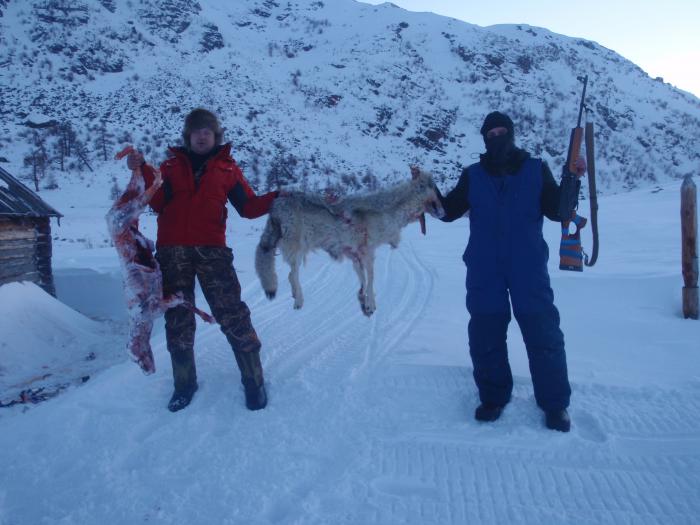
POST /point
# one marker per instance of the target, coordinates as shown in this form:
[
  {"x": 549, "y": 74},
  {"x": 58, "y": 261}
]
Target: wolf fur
[{"x": 351, "y": 227}]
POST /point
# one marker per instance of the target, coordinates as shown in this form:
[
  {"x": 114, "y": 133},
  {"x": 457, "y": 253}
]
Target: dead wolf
[{"x": 352, "y": 227}]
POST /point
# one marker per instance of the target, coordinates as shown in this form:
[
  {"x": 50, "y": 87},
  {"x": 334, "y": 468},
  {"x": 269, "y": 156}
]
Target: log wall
[{"x": 25, "y": 251}]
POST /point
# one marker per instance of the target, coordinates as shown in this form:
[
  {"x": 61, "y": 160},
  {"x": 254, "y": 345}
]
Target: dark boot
[
  {"x": 252, "y": 379},
  {"x": 250, "y": 366},
  {"x": 184, "y": 379},
  {"x": 181, "y": 398},
  {"x": 488, "y": 412},
  {"x": 255, "y": 397},
  {"x": 558, "y": 420}
]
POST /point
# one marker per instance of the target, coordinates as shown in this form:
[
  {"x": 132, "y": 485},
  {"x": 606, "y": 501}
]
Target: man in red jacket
[{"x": 191, "y": 204}]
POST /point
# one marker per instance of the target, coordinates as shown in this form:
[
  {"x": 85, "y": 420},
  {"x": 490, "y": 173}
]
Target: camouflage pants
[{"x": 213, "y": 267}]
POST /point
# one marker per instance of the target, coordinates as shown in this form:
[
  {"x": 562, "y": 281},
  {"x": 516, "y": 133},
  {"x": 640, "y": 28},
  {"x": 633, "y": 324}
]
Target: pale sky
[{"x": 660, "y": 36}]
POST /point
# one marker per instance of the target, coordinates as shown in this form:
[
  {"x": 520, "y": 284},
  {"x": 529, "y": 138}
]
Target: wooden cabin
[{"x": 25, "y": 235}]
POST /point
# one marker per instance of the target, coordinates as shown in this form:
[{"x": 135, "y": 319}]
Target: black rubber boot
[
  {"x": 255, "y": 397},
  {"x": 558, "y": 420},
  {"x": 488, "y": 412},
  {"x": 181, "y": 398},
  {"x": 184, "y": 379},
  {"x": 252, "y": 379}
]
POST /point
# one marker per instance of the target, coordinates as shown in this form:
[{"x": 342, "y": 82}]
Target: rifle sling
[{"x": 590, "y": 161}]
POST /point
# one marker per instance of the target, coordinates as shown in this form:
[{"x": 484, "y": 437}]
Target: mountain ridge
[{"x": 318, "y": 94}]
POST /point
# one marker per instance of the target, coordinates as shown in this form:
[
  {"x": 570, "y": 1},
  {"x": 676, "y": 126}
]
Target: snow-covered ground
[{"x": 370, "y": 421}]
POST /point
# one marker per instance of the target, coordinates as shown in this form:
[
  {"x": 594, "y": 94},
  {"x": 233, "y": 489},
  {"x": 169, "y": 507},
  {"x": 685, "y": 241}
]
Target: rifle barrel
[{"x": 583, "y": 98}]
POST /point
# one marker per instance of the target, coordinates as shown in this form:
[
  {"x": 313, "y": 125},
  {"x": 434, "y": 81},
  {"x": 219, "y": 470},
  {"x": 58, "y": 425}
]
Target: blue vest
[{"x": 505, "y": 224}]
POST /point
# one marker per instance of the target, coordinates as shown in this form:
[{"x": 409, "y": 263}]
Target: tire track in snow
[
  {"x": 283, "y": 331},
  {"x": 468, "y": 483},
  {"x": 345, "y": 360},
  {"x": 427, "y": 468},
  {"x": 403, "y": 304},
  {"x": 327, "y": 325},
  {"x": 343, "y": 330},
  {"x": 631, "y": 412},
  {"x": 293, "y": 338},
  {"x": 613, "y": 411}
]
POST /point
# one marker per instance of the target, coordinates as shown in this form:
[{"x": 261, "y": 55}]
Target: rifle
[{"x": 571, "y": 254}]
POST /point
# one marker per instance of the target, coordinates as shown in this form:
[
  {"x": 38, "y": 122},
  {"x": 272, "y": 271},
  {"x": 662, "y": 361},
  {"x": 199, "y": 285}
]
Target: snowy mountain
[{"x": 318, "y": 93}]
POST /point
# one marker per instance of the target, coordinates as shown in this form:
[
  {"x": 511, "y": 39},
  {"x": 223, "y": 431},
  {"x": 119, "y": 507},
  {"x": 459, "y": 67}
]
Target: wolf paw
[
  {"x": 367, "y": 305},
  {"x": 270, "y": 294}
]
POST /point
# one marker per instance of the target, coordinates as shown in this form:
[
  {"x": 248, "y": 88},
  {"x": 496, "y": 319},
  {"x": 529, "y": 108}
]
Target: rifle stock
[{"x": 575, "y": 142}]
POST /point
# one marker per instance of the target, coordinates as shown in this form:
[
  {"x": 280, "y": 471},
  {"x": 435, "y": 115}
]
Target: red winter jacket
[{"x": 196, "y": 216}]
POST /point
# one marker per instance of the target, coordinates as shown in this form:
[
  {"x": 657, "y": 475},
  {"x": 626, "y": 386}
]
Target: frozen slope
[{"x": 315, "y": 94}]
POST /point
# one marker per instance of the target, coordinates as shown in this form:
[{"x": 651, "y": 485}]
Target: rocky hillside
[{"x": 319, "y": 93}]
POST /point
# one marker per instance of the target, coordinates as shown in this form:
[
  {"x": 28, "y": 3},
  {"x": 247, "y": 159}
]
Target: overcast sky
[{"x": 661, "y": 37}]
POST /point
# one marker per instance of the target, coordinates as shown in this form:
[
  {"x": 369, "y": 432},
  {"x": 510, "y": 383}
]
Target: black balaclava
[{"x": 499, "y": 148}]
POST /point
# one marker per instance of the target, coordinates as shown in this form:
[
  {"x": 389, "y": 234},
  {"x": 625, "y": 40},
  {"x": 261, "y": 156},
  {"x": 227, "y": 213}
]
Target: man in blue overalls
[{"x": 507, "y": 193}]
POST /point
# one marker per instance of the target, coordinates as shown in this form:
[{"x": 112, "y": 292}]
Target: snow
[
  {"x": 38, "y": 118},
  {"x": 370, "y": 421},
  {"x": 45, "y": 327},
  {"x": 414, "y": 88}
]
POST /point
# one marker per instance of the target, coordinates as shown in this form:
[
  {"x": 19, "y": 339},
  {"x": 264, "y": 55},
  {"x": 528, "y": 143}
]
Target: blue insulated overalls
[{"x": 507, "y": 257}]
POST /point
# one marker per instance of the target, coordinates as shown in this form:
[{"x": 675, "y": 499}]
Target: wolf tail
[{"x": 265, "y": 257}]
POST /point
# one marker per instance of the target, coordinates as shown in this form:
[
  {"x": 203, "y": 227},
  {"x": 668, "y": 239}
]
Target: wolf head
[{"x": 423, "y": 185}]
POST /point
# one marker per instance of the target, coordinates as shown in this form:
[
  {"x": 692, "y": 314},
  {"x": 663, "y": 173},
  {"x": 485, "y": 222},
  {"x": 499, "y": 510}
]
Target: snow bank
[{"x": 44, "y": 342}]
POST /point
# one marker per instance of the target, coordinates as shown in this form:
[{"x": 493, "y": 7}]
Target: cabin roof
[{"x": 16, "y": 200}]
